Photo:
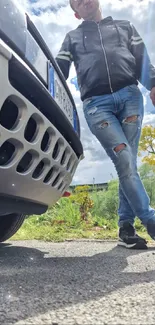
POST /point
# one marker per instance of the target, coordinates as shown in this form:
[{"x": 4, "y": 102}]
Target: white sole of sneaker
[
  {"x": 121, "y": 243},
  {"x": 130, "y": 246}
]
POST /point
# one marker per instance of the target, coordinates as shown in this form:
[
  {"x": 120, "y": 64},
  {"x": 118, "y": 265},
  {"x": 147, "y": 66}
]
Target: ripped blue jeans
[{"x": 116, "y": 121}]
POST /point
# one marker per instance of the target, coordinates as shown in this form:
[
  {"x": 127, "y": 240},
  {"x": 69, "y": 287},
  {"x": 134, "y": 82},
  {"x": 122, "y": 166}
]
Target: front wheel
[{"x": 9, "y": 225}]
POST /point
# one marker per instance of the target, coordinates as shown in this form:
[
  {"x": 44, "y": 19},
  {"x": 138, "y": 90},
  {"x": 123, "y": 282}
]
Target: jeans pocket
[
  {"x": 133, "y": 87},
  {"x": 86, "y": 102}
]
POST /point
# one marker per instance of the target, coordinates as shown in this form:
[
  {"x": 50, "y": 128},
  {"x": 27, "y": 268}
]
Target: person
[{"x": 110, "y": 59}]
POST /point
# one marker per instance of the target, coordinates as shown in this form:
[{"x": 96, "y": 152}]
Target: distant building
[{"x": 92, "y": 187}]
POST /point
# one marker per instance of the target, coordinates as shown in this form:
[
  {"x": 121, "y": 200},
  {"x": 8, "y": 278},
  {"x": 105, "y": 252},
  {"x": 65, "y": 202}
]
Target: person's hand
[{"x": 152, "y": 95}]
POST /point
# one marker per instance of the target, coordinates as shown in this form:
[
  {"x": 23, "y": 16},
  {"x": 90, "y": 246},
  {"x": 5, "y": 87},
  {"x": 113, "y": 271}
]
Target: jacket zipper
[{"x": 106, "y": 61}]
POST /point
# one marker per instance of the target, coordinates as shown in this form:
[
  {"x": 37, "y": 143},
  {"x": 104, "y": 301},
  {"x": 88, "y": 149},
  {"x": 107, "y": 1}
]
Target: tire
[{"x": 9, "y": 225}]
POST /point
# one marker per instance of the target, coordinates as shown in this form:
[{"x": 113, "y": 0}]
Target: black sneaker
[{"x": 129, "y": 239}]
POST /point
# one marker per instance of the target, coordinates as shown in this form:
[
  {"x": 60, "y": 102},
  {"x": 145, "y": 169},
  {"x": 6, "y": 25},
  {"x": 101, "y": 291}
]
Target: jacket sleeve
[
  {"x": 144, "y": 69},
  {"x": 65, "y": 57}
]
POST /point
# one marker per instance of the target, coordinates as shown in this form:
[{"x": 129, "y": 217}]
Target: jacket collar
[{"x": 91, "y": 23}]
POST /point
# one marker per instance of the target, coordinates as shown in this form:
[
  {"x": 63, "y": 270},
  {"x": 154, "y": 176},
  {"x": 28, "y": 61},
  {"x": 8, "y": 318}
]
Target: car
[{"x": 40, "y": 146}]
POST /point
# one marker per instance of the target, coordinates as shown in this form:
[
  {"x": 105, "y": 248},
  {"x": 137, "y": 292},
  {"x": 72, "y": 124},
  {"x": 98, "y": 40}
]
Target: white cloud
[
  {"x": 54, "y": 24},
  {"x": 149, "y": 119}
]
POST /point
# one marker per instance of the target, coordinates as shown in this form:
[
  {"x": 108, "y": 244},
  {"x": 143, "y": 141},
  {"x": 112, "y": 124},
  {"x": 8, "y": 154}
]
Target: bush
[
  {"x": 106, "y": 202},
  {"x": 81, "y": 198},
  {"x": 62, "y": 212}
]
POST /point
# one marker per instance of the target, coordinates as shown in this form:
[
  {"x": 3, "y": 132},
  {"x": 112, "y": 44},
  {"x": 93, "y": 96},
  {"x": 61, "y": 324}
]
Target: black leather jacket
[{"x": 108, "y": 56}]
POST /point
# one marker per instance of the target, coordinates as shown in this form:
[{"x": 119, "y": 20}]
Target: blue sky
[{"x": 54, "y": 19}]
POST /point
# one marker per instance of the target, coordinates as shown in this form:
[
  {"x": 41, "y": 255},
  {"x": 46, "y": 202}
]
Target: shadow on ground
[{"x": 33, "y": 283}]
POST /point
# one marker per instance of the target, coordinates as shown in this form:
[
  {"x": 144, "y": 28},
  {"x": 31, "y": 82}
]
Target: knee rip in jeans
[
  {"x": 120, "y": 147},
  {"x": 103, "y": 125},
  {"x": 130, "y": 119}
]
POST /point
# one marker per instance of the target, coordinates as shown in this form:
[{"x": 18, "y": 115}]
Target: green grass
[
  {"x": 59, "y": 233},
  {"x": 55, "y": 233},
  {"x": 63, "y": 221},
  {"x": 49, "y": 227}
]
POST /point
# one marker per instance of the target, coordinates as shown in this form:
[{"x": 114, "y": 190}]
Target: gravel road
[{"x": 76, "y": 283}]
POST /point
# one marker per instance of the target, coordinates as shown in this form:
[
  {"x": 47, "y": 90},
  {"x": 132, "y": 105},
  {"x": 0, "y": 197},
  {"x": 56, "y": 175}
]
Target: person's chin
[{"x": 90, "y": 14}]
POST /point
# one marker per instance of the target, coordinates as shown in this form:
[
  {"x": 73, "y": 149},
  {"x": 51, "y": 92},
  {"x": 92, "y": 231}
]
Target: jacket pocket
[{"x": 90, "y": 41}]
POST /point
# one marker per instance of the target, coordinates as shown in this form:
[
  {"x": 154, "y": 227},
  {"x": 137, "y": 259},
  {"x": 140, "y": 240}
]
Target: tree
[
  {"x": 147, "y": 144},
  {"x": 147, "y": 173}
]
